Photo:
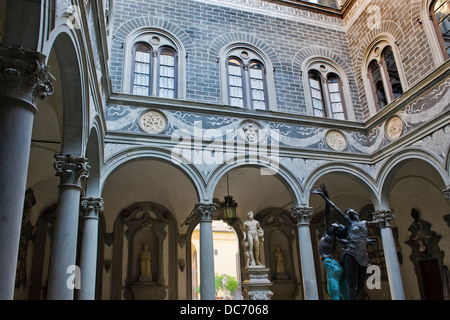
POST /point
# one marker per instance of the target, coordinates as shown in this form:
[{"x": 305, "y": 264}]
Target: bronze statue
[{"x": 356, "y": 258}]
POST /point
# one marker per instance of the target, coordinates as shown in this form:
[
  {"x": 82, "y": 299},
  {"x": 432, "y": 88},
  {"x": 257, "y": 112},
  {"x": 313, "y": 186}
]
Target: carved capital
[
  {"x": 385, "y": 215},
  {"x": 71, "y": 169},
  {"x": 302, "y": 214},
  {"x": 24, "y": 76},
  {"x": 91, "y": 207},
  {"x": 206, "y": 210}
]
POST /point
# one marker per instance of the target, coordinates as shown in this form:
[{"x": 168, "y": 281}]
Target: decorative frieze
[
  {"x": 23, "y": 75},
  {"x": 71, "y": 169}
]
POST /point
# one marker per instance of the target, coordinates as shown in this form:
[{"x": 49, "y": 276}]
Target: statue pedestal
[{"x": 256, "y": 284}]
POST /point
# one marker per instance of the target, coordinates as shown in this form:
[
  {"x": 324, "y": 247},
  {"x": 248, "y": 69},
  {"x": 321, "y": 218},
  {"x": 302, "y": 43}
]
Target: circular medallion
[
  {"x": 394, "y": 127},
  {"x": 336, "y": 140},
  {"x": 153, "y": 122}
]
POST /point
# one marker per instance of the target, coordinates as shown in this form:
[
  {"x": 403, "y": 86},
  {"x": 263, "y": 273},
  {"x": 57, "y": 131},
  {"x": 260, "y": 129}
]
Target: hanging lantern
[{"x": 229, "y": 208}]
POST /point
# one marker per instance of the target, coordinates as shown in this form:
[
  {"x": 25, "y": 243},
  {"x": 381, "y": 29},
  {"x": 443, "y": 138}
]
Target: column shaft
[
  {"x": 390, "y": 254},
  {"x": 23, "y": 79},
  {"x": 88, "y": 260},
  {"x": 306, "y": 253},
  {"x": 64, "y": 243},
  {"x": 207, "y": 276}
]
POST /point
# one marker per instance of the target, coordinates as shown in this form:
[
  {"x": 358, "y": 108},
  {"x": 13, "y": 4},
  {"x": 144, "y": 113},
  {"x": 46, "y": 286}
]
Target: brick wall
[
  {"x": 399, "y": 19},
  {"x": 205, "y": 27}
]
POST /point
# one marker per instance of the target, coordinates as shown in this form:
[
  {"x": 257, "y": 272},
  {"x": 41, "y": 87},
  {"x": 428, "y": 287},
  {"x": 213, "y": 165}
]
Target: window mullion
[
  {"x": 155, "y": 73},
  {"x": 246, "y": 87},
  {"x": 385, "y": 79}
]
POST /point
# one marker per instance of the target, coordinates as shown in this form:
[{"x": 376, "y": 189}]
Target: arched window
[
  {"x": 154, "y": 66},
  {"x": 257, "y": 85},
  {"x": 384, "y": 81},
  {"x": 327, "y": 94},
  {"x": 316, "y": 88},
  {"x": 336, "y": 93},
  {"x": 142, "y": 69},
  {"x": 440, "y": 15},
  {"x": 235, "y": 83},
  {"x": 246, "y": 84},
  {"x": 167, "y": 73},
  {"x": 385, "y": 78},
  {"x": 246, "y": 78}
]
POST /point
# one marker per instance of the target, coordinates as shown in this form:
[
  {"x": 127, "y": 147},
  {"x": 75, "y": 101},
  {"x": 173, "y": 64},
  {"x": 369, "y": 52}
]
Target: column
[
  {"x": 91, "y": 208},
  {"x": 24, "y": 78},
  {"x": 62, "y": 270},
  {"x": 207, "y": 276},
  {"x": 303, "y": 214},
  {"x": 390, "y": 254}
]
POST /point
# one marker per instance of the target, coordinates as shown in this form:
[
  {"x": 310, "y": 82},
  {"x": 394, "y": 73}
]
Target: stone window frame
[
  {"x": 247, "y": 54},
  {"x": 375, "y": 52},
  {"x": 326, "y": 68},
  {"x": 433, "y": 32},
  {"x": 157, "y": 40}
]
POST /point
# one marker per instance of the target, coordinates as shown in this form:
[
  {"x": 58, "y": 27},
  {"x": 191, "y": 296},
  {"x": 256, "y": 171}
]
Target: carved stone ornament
[
  {"x": 302, "y": 215},
  {"x": 386, "y": 215},
  {"x": 206, "y": 210},
  {"x": 336, "y": 140},
  {"x": 91, "y": 207},
  {"x": 153, "y": 122},
  {"x": 23, "y": 75},
  {"x": 394, "y": 127},
  {"x": 71, "y": 169},
  {"x": 251, "y": 131}
]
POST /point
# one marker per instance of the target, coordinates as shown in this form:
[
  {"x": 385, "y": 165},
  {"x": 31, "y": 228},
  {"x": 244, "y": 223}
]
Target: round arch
[
  {"x": 135, "y": 153},
  {"x": 267, "y": 167},
  {"x": 356, "y": 174},
  {"x": 75, "y": 94},
  {"x": 391, "y": 167}
]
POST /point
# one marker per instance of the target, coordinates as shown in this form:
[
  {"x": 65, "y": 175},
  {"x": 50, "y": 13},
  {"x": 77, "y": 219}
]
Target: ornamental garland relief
[
  {"x": 336, "y": 140},
  {"x": 153, "y": 122}
]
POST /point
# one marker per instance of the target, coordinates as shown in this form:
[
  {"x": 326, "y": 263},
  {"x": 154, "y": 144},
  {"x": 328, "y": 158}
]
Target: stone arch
[
  {"x": 154, "y": 23},
  {"x": 139, "y": 153},
  {"x": 75, "y": 93},
  {"x": 267, "y": 167},
  {"x": 304, "y": 54},
  {"x": 387, "y": 172},
  {"x": 227, "y": 39},
  {"x": 356, "y": 174}
]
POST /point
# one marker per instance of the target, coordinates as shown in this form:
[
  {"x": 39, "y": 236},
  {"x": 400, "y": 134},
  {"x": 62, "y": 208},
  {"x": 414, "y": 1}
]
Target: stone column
[
  {"x": 23, "y": 79},
  {"x": 303, "y": 214},
  {"x": 62, "y": 268},
  {"x": 91, "y": 208},
  {"x": 207, "y": 276},
  {"x": 390, "y": 254}
]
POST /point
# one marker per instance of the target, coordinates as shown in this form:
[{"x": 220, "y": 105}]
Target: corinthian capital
[
  {"x": 23, "y": 75},
  {"x": 91, "y": 207},
  {"x": 71, "y": 169},
  {"x": 302, "y": 214},
  {"x": 385, "y": 216},
  {"x": 206, "y": 210}
]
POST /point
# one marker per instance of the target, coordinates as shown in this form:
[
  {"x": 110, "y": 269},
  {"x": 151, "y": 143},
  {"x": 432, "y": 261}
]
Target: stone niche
[
  {"x": 279, "y": 242},
  {"x": 145, "y": 229}
]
